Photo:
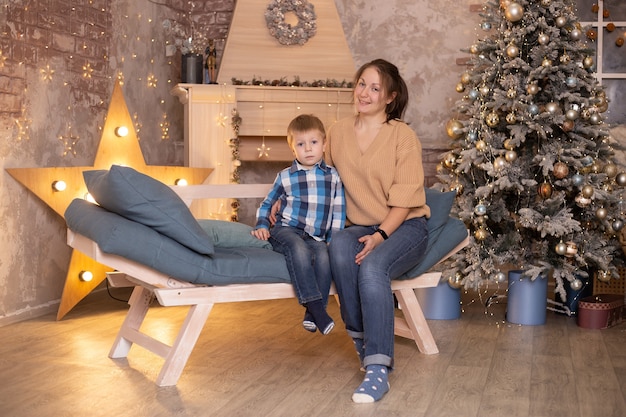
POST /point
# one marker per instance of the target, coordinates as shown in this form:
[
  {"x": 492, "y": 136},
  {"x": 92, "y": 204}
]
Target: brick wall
[{"x": 33, "y": 32}]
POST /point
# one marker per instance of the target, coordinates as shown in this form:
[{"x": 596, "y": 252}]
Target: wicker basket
[{"x": 614, "y": 286}]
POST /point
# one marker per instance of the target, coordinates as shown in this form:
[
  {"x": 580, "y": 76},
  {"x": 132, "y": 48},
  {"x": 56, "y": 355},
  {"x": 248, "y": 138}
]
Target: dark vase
[{"x": 192, "y": 69}]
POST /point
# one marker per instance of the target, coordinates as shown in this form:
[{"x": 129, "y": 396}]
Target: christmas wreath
[{"x": 283, "y": 31}]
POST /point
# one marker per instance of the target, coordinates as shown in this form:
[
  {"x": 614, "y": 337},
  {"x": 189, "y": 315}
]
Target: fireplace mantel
[{"x": 265, "y": 113}]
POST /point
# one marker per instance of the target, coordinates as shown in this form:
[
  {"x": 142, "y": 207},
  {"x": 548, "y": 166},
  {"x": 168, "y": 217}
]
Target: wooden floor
[{"x": 254, "y": 359}]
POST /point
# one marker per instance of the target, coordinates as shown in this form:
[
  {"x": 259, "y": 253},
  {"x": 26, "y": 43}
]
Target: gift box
[{"x": 600, "y": 311}]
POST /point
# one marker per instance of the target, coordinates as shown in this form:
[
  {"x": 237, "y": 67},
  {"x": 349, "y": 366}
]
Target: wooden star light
[{"x": 57, "y": 187}]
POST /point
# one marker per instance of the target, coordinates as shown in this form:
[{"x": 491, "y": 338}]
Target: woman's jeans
[
  {"x": 367, "y": 305},
  {"x": 307, "y": 262}
]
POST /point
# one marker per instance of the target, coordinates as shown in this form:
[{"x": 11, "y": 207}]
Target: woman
[{"x": 379, "y": 160}]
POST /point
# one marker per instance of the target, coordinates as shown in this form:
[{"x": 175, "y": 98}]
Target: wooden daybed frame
[{"x": 150, "y": 284}]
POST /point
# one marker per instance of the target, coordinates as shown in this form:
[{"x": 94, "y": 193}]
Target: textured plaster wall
[{"x": 422, "y": 37}]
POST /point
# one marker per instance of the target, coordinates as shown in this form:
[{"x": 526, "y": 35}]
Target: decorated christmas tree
[{"x": 531, "y": 158}]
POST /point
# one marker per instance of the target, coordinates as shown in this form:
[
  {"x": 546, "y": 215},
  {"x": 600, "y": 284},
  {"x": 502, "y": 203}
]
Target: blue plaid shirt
[{"x": 312, "y": 200}]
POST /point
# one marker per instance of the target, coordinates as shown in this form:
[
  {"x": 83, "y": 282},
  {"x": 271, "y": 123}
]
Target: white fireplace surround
[{"x": 265, "y": 113}]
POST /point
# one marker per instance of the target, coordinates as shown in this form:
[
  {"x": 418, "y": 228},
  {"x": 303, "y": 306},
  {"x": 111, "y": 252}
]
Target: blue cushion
[
  {"x": 143, "y": 199},
  {"x": 440, "y": 204},
  {"x": 117, "y": 235},
  {"x": 444, "y": 240},
  {"x": 225, "y": 234},
  {"x": 444, "y": 232}
]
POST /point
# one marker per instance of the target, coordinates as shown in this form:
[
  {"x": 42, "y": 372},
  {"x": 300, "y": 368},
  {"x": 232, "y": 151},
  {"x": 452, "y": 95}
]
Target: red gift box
[{"x": 600, "y": 311}]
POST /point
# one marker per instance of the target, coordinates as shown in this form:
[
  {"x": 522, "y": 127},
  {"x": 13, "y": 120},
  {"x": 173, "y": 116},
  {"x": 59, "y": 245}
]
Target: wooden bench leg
[
  {"x": 178, "y": 355},
  {"x": 139, "y": 302},
  {"x": 414, "y": 325}
]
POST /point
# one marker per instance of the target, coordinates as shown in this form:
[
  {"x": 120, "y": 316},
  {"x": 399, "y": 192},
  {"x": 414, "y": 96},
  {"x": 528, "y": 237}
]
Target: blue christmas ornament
[
  {"x": 571, "y": 82},
  {"x": 578, "y": 179}
]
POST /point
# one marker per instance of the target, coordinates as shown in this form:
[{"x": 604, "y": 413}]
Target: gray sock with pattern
[{"x": 374, "y": 386}]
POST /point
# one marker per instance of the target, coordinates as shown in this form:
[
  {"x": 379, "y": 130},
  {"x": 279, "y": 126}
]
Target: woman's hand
[
  {"x": 261, "y": 233},
  {"x": 369, "y": 243}
]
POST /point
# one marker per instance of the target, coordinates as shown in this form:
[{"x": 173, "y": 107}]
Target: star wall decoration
[{"x": 112, "y": 150}]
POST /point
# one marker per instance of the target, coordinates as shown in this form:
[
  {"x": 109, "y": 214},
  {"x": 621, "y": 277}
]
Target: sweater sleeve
[{"x": 407, "y": 189}]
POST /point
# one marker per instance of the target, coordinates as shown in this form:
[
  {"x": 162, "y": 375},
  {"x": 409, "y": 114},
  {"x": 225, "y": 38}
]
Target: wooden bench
[{"x": 150, "y": 284}]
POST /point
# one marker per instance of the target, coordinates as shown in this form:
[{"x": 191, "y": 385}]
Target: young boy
[{"x": 312, "y": 205}]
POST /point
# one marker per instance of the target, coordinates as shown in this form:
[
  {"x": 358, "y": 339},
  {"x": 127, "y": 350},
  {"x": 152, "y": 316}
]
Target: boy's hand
[
  {"x": 273, "y": 211},
  {"x": 261, "y": 233}
]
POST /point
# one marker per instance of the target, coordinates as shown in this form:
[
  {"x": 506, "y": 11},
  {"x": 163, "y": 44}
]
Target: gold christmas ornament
[
  {"x": 568, "y": 125},
  {"x": 620, "y": 179},
  {"x": 512, "y": 51},
  {"x": 510, "y": 156},
  {"x": 545, "y": 190},
  {"x": 543, "y": 39},
  {"x": 575, "y": 34},
  {"x": 508, "y": 144},
  {"x": 560, "y": 170},
  {"x": 514, "y": 12},
  {"x": 481, "y": 145},
  {"x": 466, "y": 78},
  {"x": 587, "y": 191},
  {"x": 499, "y": 163},
  {"x": 481, "y": 234},
  {"x": 450, "y": 160},
  {"x": 601, "y": 213},
  {"x": 561, "y": 21},
  {"x": 553, "y": 108},
  {"x": 532, "y": 89},
  {"x": 492, "y": 119},
  {"x": 456, "y": 281},
  {"x": 454, "y": 128},
  {"x": 610, "y": 170},
  {"x": 560, "y": 248},
  {"x": 511, "y": 118},
  {"x": 604, "y": 276},
  {"x": 460, "y": 88},
  {"x": 588, "y": 62},
  {"x": 456, "y": 186}
]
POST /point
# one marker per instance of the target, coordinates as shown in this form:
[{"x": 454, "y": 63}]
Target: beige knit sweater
[{"x": 388, "y": 174}]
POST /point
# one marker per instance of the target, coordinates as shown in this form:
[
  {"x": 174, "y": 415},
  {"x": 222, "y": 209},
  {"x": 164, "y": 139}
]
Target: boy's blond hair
[{"x": 304, "y": 123}]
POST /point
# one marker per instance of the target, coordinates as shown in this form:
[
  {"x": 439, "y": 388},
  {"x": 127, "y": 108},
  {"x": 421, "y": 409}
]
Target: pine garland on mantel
[{"x": 283, "y": 82}]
